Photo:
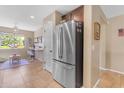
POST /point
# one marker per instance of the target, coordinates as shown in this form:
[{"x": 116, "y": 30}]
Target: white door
[{"x": 48, "y": 40}]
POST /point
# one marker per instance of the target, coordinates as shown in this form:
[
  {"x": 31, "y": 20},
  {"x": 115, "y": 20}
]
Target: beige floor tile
[
  {"x": 122, "y": 81},
  {"x": 109, "y": 79},
  {"x": 54, "y": 84},
  {"x": 27, "y": 76},
  {"x": 37, "y": 84}
]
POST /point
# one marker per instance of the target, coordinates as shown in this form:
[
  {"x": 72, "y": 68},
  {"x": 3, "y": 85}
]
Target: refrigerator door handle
[
  {"x": 61, "y": 43},
  {"x": 68, "y": 68}
]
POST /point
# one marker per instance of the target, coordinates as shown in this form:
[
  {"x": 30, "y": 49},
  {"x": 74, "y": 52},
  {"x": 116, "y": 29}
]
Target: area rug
[{"x": 7, "y": 64}]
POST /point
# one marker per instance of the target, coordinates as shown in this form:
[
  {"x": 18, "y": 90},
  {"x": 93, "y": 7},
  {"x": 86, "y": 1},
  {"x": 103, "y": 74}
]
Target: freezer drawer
[{"x": 64, "y": 74}]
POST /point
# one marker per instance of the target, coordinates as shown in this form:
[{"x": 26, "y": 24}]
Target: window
[{"x": 10, "y": 40}]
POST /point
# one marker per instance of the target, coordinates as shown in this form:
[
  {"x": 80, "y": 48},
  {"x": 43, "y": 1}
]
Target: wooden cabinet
[
  {"x": 49, "y": 23},
  {"x": 77, "y": 15},
  {"x": 67, "y": 17}
]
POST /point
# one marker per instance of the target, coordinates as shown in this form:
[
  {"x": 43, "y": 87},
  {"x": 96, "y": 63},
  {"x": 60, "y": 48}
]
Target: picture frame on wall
[
  {"x": 121, "y": 32},
  {"x": 97, "y": 29}
]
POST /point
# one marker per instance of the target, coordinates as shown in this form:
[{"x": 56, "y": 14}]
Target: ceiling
[
  {"x": 112, "y": 10},
  {"x": 19, "y": 15}
]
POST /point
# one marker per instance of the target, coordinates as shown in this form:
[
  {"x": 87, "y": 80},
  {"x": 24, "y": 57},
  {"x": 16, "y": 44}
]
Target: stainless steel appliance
[{"x": 68, "y": 54}]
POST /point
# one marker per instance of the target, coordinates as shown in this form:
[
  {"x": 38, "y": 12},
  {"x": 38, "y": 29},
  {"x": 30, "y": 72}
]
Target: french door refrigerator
[{"x": 68, "y": 54}]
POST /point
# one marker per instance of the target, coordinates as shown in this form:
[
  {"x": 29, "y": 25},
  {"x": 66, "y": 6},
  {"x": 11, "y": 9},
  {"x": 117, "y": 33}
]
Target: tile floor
[
  {"x": 111, "y": 79},
  {"x": 28, "y": 76},
  {"x": 33, "y": 76}
]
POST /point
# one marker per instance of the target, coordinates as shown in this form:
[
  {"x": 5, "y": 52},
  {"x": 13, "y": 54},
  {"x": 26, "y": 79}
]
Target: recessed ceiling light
[{"x": 32, "y": 17}]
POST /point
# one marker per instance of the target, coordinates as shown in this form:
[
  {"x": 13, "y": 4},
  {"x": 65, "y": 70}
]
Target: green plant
[{"x": 11, "y": 40}]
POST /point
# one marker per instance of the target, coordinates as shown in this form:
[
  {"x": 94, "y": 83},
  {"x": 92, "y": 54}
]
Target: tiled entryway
[
  {"x": 29, "y": 76},
  {"x": 111, "y": 79}
]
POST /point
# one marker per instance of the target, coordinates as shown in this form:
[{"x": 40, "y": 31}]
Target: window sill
[{"x": 10, "y": 48}]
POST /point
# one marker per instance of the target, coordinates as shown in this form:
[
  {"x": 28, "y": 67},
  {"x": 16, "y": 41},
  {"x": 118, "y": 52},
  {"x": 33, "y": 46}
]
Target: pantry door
[{"x": 48, "y": 43}]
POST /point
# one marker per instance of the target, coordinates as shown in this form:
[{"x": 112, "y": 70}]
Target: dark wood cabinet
[
  {"x": 77, "y": 15},
  {"x": 67, "y": 17}
]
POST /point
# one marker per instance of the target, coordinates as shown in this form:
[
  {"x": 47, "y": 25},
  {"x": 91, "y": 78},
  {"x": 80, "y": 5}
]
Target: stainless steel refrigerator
[{"x": 68, "y": 54}]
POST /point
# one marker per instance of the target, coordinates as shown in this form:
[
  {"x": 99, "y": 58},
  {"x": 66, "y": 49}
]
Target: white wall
[
  {"x": 115, "y": 44},
  {"x": 98, "y": 46},
  {"x": 87, "y": 45},
  {"x": 103, "y": 46},
  {"x": 5, "y": 53},
  {"x": 94, "y": 52}
]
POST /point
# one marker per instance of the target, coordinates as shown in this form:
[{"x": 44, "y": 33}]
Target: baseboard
[
  {"x": 101, "y": 68},
  {"x": 112, "y": 70},
  {"x": 97, "y": 82}
]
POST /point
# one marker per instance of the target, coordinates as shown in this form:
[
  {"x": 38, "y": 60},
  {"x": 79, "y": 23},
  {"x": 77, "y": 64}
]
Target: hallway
[{"x": 111, "y": 79}]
